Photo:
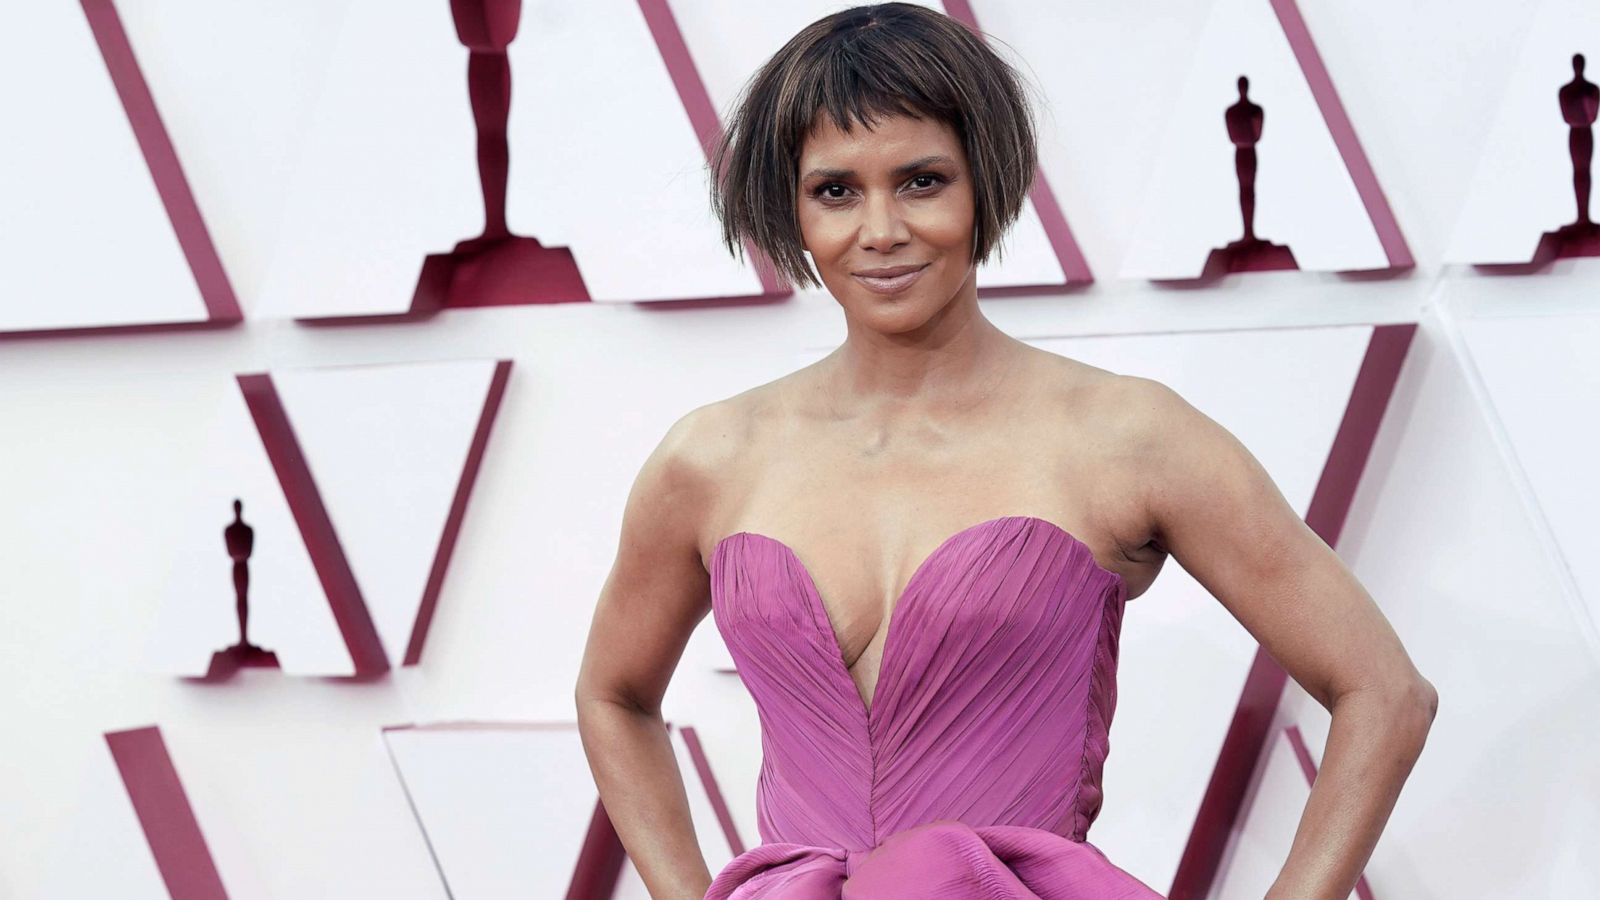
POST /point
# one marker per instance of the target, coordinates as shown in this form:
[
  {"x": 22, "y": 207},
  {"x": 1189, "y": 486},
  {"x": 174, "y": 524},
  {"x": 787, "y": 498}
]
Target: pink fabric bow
[{"x": 941, "y": 859}]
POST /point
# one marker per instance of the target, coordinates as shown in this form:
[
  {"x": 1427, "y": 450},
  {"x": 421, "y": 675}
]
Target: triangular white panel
[
  {"x": 1523, "y": 185},
  {"x": 1305, "y": 196},
  {"x": 1543, "y": 378},
  {"x": 387, "y": 173},
  {"x": 236, "y": 83},
  {"x": 289, "y": 612},
  {"x": 506, "y": 806},
  {"x": 85, "y": 239},
  {"x": 605, "y": 160},
  {"x": 95, "y": 845},
  {"x": 386, "y": 445}
]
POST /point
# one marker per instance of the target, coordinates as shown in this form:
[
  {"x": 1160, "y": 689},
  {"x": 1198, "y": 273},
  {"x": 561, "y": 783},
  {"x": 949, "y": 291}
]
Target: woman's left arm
[{"x": 1214, "y": 509}]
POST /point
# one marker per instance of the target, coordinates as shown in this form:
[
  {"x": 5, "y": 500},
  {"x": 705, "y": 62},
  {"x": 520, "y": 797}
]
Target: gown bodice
[{"x": 976, "y": 764}]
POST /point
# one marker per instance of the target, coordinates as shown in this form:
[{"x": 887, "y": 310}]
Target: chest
[{"x": 983, "y": 588}]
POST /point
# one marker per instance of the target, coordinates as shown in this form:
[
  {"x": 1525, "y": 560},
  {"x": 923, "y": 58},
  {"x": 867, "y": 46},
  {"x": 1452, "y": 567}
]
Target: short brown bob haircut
[{"x": 858, "y": 64}]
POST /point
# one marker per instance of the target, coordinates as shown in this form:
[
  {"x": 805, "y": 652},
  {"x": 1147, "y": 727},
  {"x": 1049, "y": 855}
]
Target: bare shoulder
[
  {"x": 1144, "y": 413},
  {"x": 1162, "y": 438},
  {"x": 1193, "y": 474},
  {"x": 1123, "y": 412},
  {"x": 706, "y": 456},
  {"x": 1158, "y": 425},
  {"x": 685, "y": 469},
  {"x": 1122, "y": 409},
  {"x": 703, "y": 437}
]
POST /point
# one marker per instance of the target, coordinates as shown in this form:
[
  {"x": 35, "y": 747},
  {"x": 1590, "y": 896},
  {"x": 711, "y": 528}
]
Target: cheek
[
  {"x": 948, "y": 228},
  {"x": 955, "y": 220},
  {"x": 825, "y": 236}
]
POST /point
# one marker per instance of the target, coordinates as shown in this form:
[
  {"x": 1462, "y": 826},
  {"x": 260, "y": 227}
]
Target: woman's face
[{"x": 895, "y": 198}]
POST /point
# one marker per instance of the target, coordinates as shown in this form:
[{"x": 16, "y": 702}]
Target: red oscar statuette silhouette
[
  {"x": 497, "y": 268},
  {"x": 1249, "y": 253},
  {"x": 240, "y": 541},
  {"x": 1580, "y": 100}
]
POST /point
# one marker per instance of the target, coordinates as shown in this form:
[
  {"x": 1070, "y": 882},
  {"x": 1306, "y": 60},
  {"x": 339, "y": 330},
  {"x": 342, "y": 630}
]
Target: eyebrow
[{"x": 905, "y": 169}]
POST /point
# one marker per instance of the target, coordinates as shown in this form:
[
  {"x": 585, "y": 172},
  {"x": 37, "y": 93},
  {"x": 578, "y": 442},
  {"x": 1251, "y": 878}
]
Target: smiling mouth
[{"x": 892, "y": 284}]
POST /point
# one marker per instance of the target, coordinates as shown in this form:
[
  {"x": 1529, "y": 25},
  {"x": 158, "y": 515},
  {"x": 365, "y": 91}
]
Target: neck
[{"x": 952, "y": 356}]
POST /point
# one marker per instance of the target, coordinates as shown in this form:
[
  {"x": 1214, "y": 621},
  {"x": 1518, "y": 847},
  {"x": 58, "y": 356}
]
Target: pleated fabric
[{"x": 974, "y": 771}]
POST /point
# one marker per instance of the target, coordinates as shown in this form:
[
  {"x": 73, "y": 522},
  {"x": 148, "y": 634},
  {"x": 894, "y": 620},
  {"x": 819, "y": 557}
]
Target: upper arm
[
  {"x": 657, "y": 590},
  {"x": 1213, "y": 506}
]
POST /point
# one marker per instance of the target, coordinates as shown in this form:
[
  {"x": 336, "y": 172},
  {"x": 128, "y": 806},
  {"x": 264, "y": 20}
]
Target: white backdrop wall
[{"x": 1467, "y": 542}]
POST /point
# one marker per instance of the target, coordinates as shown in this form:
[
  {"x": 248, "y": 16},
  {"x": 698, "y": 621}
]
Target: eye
[{"x": 933, "y": 180}]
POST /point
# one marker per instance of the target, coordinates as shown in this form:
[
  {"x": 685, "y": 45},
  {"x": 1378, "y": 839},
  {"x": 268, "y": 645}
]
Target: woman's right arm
[{"x": 652, "y": 600}]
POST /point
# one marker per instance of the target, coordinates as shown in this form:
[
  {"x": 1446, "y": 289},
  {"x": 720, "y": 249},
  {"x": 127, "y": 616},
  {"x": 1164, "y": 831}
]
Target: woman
[{"x": 918, "y": 548}]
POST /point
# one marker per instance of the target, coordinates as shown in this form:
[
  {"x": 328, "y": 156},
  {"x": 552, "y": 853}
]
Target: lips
[{"x": 892, "y": 283}]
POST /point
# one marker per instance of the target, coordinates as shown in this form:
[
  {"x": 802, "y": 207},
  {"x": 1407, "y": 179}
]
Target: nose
[{"x": 883, "y": 228}]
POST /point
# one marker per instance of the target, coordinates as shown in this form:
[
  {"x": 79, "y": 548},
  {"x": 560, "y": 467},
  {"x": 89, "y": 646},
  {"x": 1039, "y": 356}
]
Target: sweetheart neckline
[{"x": 815, "y": 595}]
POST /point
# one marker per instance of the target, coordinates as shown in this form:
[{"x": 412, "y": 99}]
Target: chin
[{"x": 895, "y": 314}]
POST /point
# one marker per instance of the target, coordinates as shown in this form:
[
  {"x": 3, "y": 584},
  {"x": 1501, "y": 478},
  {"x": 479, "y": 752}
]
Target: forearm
[
  {"x": 630, "y": 754},
  {"x": 1373, "y": 742}
]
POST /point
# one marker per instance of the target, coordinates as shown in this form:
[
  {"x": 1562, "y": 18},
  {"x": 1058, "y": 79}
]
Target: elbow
[
  {"x": 1408, "y": 706},
  {"x": 580, "y": 705},
  {"x": 1431, "y": 698},
  {"x": 1403, "y": 713},
  {"x": 585, "y": 694},
  {"x": 1414, "y": 711},
  {"x": 1424, "y": 698},
  {"x": 1413, "y": 697},
  {"x": 1424, "y": 704},
  {"x": 589, "y": 695}
]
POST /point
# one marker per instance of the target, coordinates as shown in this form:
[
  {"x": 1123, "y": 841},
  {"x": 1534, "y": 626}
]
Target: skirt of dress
[{"x": 941, "y": 860}]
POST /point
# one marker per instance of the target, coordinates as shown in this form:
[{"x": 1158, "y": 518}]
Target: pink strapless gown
[{"x": 975, "y": 771}]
